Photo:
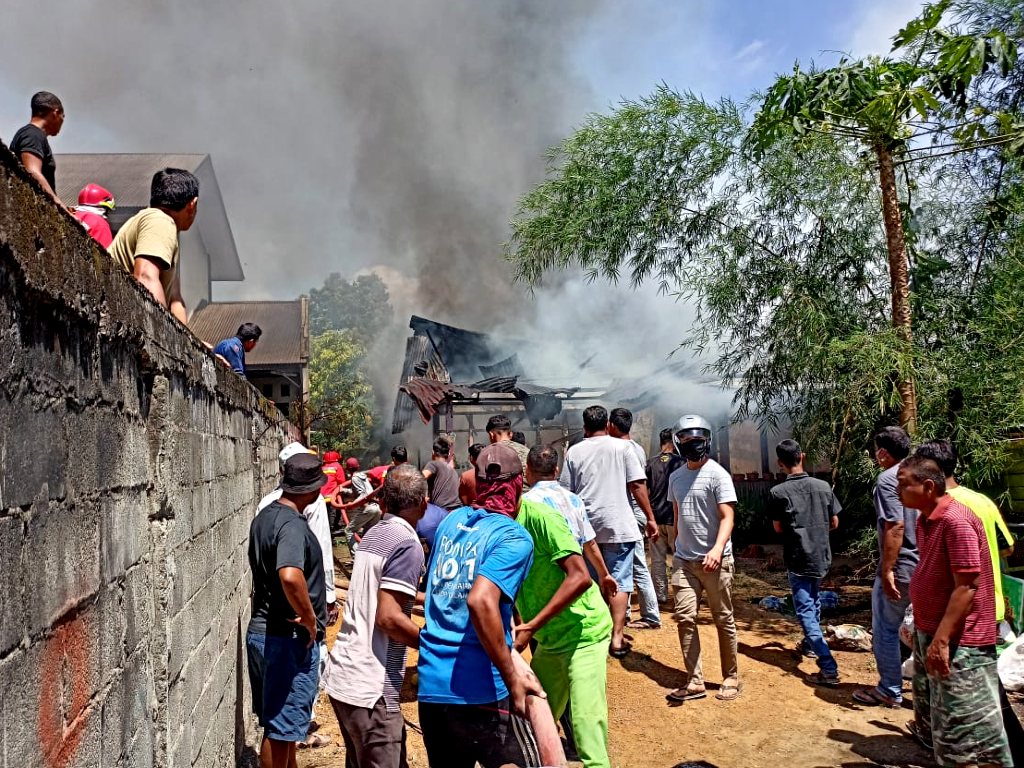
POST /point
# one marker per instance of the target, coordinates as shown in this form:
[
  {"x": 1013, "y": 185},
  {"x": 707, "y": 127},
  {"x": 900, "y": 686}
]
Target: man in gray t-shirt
[{"x": 703, "y": 500}]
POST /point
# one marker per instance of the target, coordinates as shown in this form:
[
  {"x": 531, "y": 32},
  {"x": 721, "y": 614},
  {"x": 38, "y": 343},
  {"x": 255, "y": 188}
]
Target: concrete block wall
[{"x": 130, "y": 465}]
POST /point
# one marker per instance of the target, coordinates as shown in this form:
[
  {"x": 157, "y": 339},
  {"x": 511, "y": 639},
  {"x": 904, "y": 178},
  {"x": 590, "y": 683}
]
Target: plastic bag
[
  {"x": 907, "y": 628},
  {"x": 1011, "y": 666},
  {"x": 848, "y": 637}
]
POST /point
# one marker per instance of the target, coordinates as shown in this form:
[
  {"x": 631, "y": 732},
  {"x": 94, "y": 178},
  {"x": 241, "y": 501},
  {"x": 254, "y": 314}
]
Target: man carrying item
[
  {"x": 659, "y": 470},
  {"x": 364, "y": 511},
  {"x": 366, "y": 668},
  {"x": 956, "y": 688},
  {"x": 499, "y": 430},
  {"x": 289, "y": 613},
  {"x": 704, "y": 501},
  {"x": 804, "y": 510},
  {"x": 94, "y": 203},
  {"x": 232, "y": 351},
  {"x": 146, "y": 246},
  {"x": 890, "y": 596},
  {"x": 620, "y": 422},
  {"x": 603, "y": 471},
  {"x": 31, "y": 142},
  {"x": 562, "y": 610},
  {"x": 472, "y": 699}
]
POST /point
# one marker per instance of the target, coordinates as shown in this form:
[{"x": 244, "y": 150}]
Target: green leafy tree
[
  {"x": 340, "y": 411},
  {"x": 360, "y": 306}
]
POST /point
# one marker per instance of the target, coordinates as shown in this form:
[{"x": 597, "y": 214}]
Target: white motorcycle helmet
[{"x": 691, "y": 426}]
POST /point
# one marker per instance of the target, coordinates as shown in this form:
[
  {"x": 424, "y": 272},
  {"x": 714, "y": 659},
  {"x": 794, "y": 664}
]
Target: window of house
[
  {"x": 267, "y": 390},
  {"x": 286, "y": 390}
]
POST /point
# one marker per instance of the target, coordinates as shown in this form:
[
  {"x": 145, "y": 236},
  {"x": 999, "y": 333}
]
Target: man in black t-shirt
[
  {"x": 804, "y": 510},
  {"x": 31, "y": 144},
  {"x": 289, "y": 612},
  {"x": 659, "y": 469}
]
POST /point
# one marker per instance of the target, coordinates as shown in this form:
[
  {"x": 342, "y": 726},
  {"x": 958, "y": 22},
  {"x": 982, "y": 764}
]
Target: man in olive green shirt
[
  {"x": 563, "y": 611},
  {"x": 146, "y": 246}
]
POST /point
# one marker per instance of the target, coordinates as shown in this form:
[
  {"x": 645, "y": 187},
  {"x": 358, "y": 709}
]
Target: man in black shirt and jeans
[
  {"x": 289, "y": 612},
  {"x": 31, "y": 144},
  {"x": 804, "y": 510},
  {"x": 659, "y": 469}
]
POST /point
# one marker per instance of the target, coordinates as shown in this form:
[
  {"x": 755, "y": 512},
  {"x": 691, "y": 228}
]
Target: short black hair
[
  {"x": 404, "y": 487},
  {"x": 788, "y": 452},
  {"x": 44, "y": 102},
  {"x": 474, "y": 451},
  {"x": 173, "y": 188},
  {"x": 895, "y": 441},
  {"x": 543, "y": 460},
  {"x": 922, "y": 468},
  {"x": 621, "y": 419},
  {"x": 249, "y": 332},
  {"x": 519, "y": 437},
  {"x": 595, "y": 418},
  {"x": 399, "y": 454},
  {"x": 499, "y": 423},
  {"x": 942, "y": 453},
  {"x": 665, "y": 436},
  {"x": 442, "y": 446}
]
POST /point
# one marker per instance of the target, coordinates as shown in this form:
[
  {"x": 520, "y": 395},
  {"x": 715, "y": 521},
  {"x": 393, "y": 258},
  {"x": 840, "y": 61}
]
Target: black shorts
[{"x": 459, "y": 735}]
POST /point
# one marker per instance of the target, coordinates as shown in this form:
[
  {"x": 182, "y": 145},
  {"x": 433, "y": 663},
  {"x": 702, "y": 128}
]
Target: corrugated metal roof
[{"x": 285, "y": 326}]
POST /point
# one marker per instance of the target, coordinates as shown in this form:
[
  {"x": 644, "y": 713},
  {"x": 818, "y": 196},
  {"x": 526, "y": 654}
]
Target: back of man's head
[
  {"x": 399, "y": 455},
  {"x": 44, "y": 102},
  {"x": 474, "y": 452},
  {"x": 621, "y": 419},
  {"x": 895, "y": 441},
  {"x": 405, "y": 488},
  {"x": 665, "y": 437},
  {"x": 789, "y": 453},
  {"x": 173, "y": 189},
  {"x": 942, "y": 453},
  {"x": 519, "y": 437},
  {"x": 249, "y": 332},
  {"x": 442, "y": 446},
  {"x": 542, "y": 461},
  {"x": 595, "y": 419},
  {"x": 499, "y": 424}
]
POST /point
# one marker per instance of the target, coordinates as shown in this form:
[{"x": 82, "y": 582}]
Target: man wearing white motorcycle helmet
[{"x": 704, "y": 500}]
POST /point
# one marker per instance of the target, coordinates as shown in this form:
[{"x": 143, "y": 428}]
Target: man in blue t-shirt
[
  {"x": 232, "y": 351},
  {"x": 472, "y": 699}
]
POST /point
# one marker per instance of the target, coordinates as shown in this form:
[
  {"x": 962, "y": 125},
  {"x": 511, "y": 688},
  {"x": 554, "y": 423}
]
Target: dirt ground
[{"x": 778, "y": 720}]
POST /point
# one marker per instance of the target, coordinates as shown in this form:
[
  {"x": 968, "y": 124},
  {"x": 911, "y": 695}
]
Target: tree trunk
[{"x": 899, "y": 275}]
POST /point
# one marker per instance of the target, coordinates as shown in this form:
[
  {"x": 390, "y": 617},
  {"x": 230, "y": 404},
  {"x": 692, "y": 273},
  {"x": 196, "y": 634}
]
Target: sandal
[
  {"x": 729, "y": 692},
  {"x": 872, "y": 697},
  {"x": 643, "y": 624},
  {"x": 621, "y": 652},
  {"x": 820, "y": 678},
  {"x": 919, "y": 737},
  {"x": 686, "y": 694}
]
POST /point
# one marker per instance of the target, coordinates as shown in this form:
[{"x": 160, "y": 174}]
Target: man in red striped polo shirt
[{"x": 956, "y": 689}]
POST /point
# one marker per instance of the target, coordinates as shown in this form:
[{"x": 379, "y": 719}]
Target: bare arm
[
  {"x": 393, "y": 622},
  {"x": 605, "y": 581},
  {"x": 575, "y": 583},
  {"x": 293, "y": 582},
  {"x": 639, "y": 490},
  {"x": 952, "y": 624},
  {"x": 892, "y": 540},
  {"x": 727, "y": 515},
  {"x": 175, "y": 303},
  {"x": 483, "y": 602},
  {"x": 147, "y": 272},
  {"x": 34, "y": 165}
]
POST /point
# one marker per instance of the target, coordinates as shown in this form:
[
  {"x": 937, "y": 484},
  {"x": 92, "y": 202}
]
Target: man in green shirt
[{"x": 562, "y": 610}]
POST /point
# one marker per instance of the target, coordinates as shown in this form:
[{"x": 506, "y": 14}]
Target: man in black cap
[{"x": 289, "y": 612}]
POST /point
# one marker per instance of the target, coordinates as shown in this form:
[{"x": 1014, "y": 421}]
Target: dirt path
[{"x": 779, "y": 720}]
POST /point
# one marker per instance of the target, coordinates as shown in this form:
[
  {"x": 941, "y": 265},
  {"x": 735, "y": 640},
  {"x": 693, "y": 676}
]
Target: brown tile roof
[{"x": 285, "y": 326}]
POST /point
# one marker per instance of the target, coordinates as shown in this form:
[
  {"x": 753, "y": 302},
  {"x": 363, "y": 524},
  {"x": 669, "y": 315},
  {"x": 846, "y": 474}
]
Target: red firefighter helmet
[
  {"x": 331, "y": 456},
  {"x": 94, "y": 194}
]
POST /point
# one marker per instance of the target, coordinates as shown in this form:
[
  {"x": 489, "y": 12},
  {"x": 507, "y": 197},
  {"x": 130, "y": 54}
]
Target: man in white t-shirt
[
  {"x": 704, "y": 501},
  {"x": 366, "y": 667},
  {"x": 604, "y": 471}
]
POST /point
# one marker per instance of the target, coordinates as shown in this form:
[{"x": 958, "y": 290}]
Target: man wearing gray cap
[{"x": 289, "y": 612}]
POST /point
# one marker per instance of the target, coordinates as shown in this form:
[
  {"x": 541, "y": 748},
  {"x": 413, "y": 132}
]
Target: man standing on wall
[
  {"x": 804, "y": 510},
  {"x": 890, "y": 596},
  {"x": 603, "y": 471},
  {"x": 704, "y": 501},
  {"x": 146, "y": 246},
  {"x": 659, "y": 470},
  {"x": 289, "y": 613},
  {"x": 31, "y": 143}
]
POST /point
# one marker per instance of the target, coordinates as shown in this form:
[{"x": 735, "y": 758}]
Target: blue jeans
[
  {"x": 644, "y": 585},
  {"x": 886, "y": 618},
  {"x": 808, "y": 611}
]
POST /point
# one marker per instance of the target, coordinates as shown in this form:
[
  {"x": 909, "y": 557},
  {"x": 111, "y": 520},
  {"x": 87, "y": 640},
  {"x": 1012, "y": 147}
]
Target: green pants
[{"x": 580, "y": 676}]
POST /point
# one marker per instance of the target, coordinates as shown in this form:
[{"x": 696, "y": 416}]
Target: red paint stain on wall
[{"x": 64, "y": 692}]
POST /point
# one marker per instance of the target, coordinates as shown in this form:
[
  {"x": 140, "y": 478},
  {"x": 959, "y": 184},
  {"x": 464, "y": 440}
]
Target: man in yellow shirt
[
  {"x": 146, "y": 246},
  {"x": 944, "y": 454}
]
